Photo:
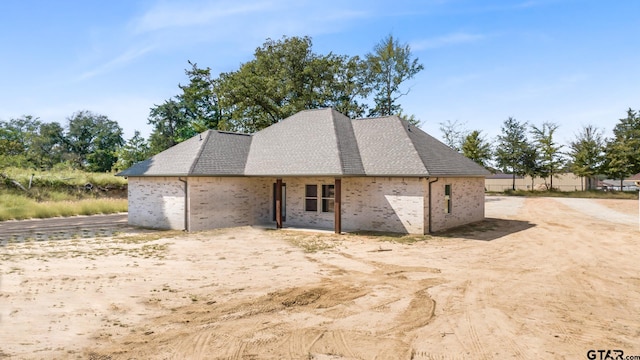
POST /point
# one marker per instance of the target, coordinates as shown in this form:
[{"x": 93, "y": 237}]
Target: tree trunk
[
  {"x": 513, "y": 185},
  {"x": 13, "y": 182}
]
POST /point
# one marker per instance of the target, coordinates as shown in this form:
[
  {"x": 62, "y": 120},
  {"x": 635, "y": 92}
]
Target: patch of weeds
[
  {"x": 147, "y": 237},
  {"x": 311, "y": 243},
  {"x": 168, "y": 288},
  {"x": 14, "y": 269},
  {"x": 485, "y": 225},
  {"x": 399, "y": 238}
]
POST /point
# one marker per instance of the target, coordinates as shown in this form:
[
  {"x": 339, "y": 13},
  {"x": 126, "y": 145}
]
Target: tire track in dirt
[
  {"x": 476, "y": 345},
  {"x": 237, "y": 319}
]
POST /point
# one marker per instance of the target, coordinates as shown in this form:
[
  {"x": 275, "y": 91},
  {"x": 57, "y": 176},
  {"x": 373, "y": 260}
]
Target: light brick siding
[
  {"x": 383, "y": 204},
  {"x": 467, "y": 202},
  {"x": 219, "y": 202},
  {"x": 156, "y": 202},
  {"x": 368, "y": 203}
]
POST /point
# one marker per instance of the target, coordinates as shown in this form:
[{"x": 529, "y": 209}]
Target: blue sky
[{"x": 571, "y": 62}]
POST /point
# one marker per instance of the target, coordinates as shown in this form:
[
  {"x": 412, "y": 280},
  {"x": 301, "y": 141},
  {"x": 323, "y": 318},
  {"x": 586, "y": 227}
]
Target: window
[
  {"x": 328, "y": 198},
  {"x": 447, "y": 199},
  {"x": 311, "y": 198}
]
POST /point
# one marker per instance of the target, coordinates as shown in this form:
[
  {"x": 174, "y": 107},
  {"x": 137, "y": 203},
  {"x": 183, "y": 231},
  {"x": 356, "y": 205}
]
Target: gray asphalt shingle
[{"x": 313, "y": 143}]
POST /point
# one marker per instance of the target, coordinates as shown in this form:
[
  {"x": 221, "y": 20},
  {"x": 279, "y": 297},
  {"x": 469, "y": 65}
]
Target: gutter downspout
[
  {"x": 187, "y": 203},
  {"x": 430, "y": 207}
]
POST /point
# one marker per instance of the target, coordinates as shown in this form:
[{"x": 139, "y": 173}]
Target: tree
[
  {"x": 530, "y": 163},
  {"x": 587, "y": 153},
  {"x": 31, "y": 142},
  {"x": 476, "y": 148},
  {"x": 170, "y": 126},
  {"x": 390, "y": 65},
  {"x": 512, "y": 148},
  {"x": 47, "y": 145},
  {"x": 285, "y": 77},
  {"x": 550, "y": 159},
  {"x": 195, "y": 110},
  {"x": 622, "y": 153},
  {"x": 351, "y": 86},
  {"x": 93, "y": 140},
  {"x": 134, "y": 150},
  {"x": 199, "y": 99},
  {"x": 16, "y": 134},
  {"x": 454, "y": 134}
]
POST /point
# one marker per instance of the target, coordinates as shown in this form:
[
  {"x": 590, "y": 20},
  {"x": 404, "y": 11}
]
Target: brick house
[{"x": 315, "y": 169}]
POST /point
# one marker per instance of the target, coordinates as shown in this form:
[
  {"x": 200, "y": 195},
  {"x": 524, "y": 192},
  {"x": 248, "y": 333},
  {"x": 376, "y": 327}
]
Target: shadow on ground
[{"x": 487, "y": 230}]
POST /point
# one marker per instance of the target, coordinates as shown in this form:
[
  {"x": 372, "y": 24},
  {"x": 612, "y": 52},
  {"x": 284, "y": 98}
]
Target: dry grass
[{"x": 17, "y": 207}]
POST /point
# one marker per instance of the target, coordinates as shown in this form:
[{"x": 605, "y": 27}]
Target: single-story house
[{"x": 315, "y": 169}]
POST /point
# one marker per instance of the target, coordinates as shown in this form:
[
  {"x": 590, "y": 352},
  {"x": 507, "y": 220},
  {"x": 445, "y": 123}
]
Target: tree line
[
  {"x": 286, "y": 76},
  {"x": 526, "y": 149}
]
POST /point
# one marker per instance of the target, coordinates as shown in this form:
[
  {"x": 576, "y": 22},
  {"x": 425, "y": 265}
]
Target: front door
[{"x": 284, "y": 202}]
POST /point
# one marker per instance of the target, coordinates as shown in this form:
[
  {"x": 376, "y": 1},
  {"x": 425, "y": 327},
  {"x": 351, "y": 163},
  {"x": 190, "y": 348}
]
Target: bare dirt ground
[{"x": 539, "y": 278}]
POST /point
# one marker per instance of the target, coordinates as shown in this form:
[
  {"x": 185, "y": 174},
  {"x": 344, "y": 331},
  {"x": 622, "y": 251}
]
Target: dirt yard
[{"x": 540, "y": 278}]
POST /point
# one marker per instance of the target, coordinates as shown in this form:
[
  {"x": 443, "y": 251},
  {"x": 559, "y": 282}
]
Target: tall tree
[
  {"x": 193, "y": 111},
  {"x": 617, "y": 164},
  {"x": 93, "y": 140},
  {"x": 477, "y": 148},
  {"x": 170, "y": 126},
  {"x": 531, "y": 163},
  {"x": 512, "y": 148},
  {"x": 454, "y": 133},
  {"x": 623, "y": 151},
  {"x": 550, "y": 159},
  {"x": 199, "y": 99},
  {"x": 351, "y": 85},
  {"x": 390, "y": 65},
  {"x": 285, "y": 77},
  {"x": 587, "y": 153}
]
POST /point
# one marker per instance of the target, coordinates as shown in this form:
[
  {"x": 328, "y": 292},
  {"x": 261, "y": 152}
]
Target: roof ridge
[
  {"x": 202, "y": 147},
  {"x": 406, "y": 127},
  {"x": 335, "y": 132}
]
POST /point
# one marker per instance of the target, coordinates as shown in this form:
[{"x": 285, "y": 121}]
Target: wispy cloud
[
  {"x": 119, "y": 61},
  {"x": 447, "y": 40},
  {"x": 174, "y": 15}
]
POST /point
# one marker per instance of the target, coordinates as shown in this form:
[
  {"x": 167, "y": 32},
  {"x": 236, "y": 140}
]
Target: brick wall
[
  {"x": 383, "y": 204},
  {"x": 156, "y": 202},
  {"x": 467, "y": 202},
  {"x": 372, "y": 203},
  {"x": 219, "y": 202}
]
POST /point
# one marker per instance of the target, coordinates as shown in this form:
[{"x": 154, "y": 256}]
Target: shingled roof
[{"x": 313, "y": 143}]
